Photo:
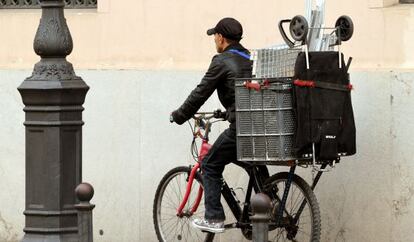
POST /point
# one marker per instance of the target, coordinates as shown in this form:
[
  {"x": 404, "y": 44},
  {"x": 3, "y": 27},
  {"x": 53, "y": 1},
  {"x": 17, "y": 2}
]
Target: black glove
[{"x": 176, "y": 117}]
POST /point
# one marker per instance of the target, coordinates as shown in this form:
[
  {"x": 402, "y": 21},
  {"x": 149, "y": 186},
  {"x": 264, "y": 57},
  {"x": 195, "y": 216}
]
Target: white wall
[
  {"x": 160, "y": 34},
  {"x": 129, "y": 144}
]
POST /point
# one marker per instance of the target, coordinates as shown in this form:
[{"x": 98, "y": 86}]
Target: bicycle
[{"x": 295, "y": 212}]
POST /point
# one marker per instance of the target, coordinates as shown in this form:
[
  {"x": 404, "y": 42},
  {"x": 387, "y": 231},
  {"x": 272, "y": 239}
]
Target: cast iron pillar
[{"x": 53, "y": 98}]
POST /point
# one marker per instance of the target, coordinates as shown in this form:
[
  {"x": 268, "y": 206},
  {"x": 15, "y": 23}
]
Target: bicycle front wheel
[
  {"x": 301, "y": 219},
  {"x": 170, "y": 193}
]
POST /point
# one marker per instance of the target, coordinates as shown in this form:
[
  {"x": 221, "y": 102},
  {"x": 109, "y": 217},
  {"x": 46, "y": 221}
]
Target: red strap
[
  {"x": 302, "y": 83},
  {"x": 251, "y": 85}
]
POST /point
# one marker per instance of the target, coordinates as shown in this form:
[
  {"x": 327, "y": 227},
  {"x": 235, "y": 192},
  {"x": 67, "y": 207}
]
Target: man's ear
[{"x": 221, "y": 38}]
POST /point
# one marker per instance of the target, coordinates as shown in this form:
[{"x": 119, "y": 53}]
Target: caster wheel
[
  {"x": 299, "y": 28},
  {"x": 345, "y": 27}
]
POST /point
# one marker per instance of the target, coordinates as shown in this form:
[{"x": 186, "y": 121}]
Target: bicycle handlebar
[{"x": 217, "y": 114}]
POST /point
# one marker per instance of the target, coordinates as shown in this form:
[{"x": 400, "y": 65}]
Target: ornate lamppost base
[{"x": 53, "y": 98}]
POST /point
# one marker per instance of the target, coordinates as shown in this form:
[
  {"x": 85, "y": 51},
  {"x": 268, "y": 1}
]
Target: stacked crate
[{"x": 265, "y": 117}]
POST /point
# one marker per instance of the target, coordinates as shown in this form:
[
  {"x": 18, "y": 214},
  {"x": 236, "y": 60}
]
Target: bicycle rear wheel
[
  {"x": 301, "y": 219},
  {"x": 170, "y": 192}
]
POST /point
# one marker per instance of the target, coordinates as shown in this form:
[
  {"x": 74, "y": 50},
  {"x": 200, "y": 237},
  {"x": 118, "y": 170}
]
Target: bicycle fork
[
  {"x": 187, "y": 193},
  {"x": 205, "y": 148}
]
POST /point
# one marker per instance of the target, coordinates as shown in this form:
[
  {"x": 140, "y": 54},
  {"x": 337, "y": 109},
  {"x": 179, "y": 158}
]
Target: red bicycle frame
[{"x": 205, "y": 147}]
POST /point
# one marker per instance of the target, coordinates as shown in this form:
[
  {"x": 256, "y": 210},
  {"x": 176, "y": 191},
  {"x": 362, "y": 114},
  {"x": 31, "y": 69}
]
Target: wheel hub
[{"x": 186, "y": 214}]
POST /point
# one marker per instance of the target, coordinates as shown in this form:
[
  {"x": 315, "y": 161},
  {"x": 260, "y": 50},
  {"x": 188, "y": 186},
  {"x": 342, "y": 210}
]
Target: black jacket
[{"x": 224, "y": 68}]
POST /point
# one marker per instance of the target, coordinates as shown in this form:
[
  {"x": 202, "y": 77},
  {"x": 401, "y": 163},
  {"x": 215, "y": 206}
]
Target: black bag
[{"x": 323, "y": 106}]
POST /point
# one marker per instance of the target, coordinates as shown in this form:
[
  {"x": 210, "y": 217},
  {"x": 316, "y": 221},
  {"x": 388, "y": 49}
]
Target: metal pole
[
  {"x": 84, "y": 193},
  {"x": 308, "y": 10},
  {"x": 261, "y": 206},
  {"x": 53, "y": 97}
]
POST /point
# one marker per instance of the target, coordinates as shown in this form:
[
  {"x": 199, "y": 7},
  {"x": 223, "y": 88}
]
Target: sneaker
[{"x": 209, "y": 226}]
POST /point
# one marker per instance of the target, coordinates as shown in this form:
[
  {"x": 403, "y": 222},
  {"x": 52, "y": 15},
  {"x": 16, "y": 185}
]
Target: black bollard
[
  {"x": 84, "y": 193},
  {"x": 261, "y": 205}
]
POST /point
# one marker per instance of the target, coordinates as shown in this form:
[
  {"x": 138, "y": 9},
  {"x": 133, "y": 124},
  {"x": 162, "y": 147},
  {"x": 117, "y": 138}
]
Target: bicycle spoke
[
  {"x": 169, "y": 219},
  {"x": 299, "y": 199},
  {"x": 182, "y": 227},
  {"x": 171, "y": 205},
  {"x": 301, "y": 231},
  {"x": 184, "y": 232},
  {"x": 280, "y": 233},
  {"x": 177, "y": 195},
  {"x": 293, "y": 199},
  {"x": 188, "y": 231},
  {"x": 169, "y": 196},
  {"x": 167, "y": 227},
  {"x": 171, "y": 228}
]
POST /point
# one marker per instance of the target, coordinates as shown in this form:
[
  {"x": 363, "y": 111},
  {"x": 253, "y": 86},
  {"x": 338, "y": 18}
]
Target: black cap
[{"x": 229, "y": 28}]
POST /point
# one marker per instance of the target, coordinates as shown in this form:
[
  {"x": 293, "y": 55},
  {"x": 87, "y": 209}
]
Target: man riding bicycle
[{"x": 233, "y": 61}]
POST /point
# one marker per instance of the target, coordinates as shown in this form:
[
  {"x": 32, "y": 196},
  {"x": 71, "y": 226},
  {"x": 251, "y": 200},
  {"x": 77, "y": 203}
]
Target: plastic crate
[
  {"x": 266, "y": 119},
  {"x": 265, "y": 124}
]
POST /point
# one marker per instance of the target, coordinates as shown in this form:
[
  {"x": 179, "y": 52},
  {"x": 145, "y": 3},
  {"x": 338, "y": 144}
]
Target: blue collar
[{"x": 240, "y": 53}]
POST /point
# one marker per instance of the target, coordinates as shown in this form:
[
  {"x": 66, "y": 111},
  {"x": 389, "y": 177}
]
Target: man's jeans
[{"x": 222, "y": 153}]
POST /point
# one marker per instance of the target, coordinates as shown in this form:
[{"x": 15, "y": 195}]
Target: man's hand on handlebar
[
  {"x": 177, "y": 117},
  {"x": 218, "y": 114}
]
